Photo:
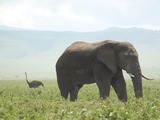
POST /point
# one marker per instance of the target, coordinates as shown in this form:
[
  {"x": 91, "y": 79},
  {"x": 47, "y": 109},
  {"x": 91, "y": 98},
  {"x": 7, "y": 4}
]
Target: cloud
[
  {"x": 120, "y": 12},
  {"x": 15, "y": 15},
  {"x": 23, "y": 14},
  {"x": 79, "y": 15},
  {"x": 67, "y": 18}
]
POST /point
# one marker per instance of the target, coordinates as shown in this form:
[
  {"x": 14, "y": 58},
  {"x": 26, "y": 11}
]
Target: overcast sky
[
  {"x": 66, "y": 15},
  {"x": 79, "y": 15}
]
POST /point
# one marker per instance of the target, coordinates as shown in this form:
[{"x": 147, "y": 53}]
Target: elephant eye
[{"x": 127, "y": 54}]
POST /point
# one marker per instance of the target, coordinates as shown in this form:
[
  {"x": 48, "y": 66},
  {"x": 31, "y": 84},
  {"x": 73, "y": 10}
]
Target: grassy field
[{"x": 18, "y": 101}]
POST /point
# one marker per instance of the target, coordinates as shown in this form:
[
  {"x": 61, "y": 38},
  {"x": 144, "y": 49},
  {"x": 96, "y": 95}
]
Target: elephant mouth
[{"x": 133, "y": 76}]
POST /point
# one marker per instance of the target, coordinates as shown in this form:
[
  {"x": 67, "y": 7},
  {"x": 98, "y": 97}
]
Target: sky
[
  {"x": 66, "y": 15},
  {"x": 79, "y": 15}
]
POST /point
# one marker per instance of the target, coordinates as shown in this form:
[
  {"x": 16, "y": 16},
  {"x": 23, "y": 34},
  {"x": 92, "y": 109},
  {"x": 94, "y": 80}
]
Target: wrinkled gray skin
[
  {"x": 33, "y": 84},
  {"x": 100, "y": 62}
]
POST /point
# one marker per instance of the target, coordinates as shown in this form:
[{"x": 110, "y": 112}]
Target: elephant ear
[{"x": 107, "y": 55}]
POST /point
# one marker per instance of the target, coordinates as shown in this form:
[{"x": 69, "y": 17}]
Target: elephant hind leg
[
  {"x": 64, "y": 94},
  {"x": 74, "y": 92}
]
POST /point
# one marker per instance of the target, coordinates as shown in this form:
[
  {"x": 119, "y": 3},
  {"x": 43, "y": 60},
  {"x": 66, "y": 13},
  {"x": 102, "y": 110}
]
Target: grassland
[{"x": 18, "y": 102}]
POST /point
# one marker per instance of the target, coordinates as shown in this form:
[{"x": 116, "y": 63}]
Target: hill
[{"x": 36, "y": 52}]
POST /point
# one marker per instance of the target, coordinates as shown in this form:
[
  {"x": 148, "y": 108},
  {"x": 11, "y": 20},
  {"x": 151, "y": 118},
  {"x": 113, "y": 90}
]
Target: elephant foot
[
  {"x": 124, "y": 100},
  {"x": 103, "y": 97}
]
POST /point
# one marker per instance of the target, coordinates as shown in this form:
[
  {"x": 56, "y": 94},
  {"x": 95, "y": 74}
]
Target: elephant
[
  {"x": 101, "y": 63},
  {"x": 33, "y": 84}
]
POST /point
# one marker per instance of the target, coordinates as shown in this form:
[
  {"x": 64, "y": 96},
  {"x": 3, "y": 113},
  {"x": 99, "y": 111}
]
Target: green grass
[{"x": 17, "y": 101}]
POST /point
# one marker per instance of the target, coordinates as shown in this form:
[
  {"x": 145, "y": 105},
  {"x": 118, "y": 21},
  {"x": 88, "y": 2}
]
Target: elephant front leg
[
  {"x": 104, "y": 89},
  {"x": 119, "y": 85},
  {"x": 102, "y": 76}
]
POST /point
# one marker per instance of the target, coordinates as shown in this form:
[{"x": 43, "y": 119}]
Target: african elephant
[
  {"x": 33, "y": 84},
  {"x": 100, "y": 62}
]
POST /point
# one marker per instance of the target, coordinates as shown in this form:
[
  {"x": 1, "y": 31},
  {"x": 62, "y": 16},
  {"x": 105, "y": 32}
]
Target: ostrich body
[{"x": 33, "y": 84}]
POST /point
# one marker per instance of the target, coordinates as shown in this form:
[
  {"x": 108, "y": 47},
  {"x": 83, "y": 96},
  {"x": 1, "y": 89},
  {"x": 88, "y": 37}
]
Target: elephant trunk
[
  {"x": 137, "y": 81},
  {"x": 137, "y": 84},
  {"x": 136, "y": 75}
]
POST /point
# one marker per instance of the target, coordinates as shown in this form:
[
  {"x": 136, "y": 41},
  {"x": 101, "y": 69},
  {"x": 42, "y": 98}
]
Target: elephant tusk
[
  {"x": 131, "y": 75},
  {"x": 147, "y": 77}
]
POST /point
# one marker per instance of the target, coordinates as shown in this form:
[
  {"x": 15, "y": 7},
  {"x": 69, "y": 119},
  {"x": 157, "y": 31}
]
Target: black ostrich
[{"x": 33, "y": 84}]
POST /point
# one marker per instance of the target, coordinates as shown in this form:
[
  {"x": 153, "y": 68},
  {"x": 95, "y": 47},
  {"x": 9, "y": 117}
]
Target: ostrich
[{"x": 33, "y": 84}]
